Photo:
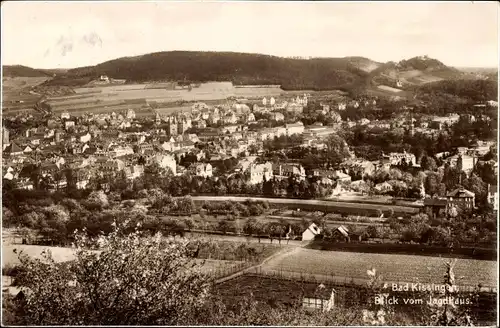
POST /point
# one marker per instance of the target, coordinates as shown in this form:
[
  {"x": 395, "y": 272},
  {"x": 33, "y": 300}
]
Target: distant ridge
[
  {"x": 345, "y": 73},
  {"x": 23, "y": 71}
]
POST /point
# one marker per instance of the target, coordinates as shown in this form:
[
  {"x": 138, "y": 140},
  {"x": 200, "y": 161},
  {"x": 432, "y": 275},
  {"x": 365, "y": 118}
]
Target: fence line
[{"x": 342, "y": 281}]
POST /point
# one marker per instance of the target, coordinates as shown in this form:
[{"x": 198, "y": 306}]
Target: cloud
[{"x": 92, "y": 39}]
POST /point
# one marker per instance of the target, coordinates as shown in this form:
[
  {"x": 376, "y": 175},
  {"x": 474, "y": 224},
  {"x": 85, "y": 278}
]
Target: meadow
[
  {"x": 389, "y": 89},
  {"x": 59, "y": 254},
  {"x": 88, "y": 99},
  {"x": 16, "y": 83},
  {"x": 393, "y": 267}
]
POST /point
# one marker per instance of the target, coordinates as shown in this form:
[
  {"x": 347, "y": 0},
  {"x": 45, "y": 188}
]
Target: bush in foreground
[{"x": 131, "y": 280}]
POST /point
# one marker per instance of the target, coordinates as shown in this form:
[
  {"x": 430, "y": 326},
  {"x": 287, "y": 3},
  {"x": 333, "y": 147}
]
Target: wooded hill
[
  {"x": 347, "y": 73},
  {"x": 22, "y": 71}
]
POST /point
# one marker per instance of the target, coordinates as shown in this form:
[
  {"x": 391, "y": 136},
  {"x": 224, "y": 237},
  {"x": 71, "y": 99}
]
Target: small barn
[
  {"x": 341, "y": 234},
  {"x": 319, "y": 298},
  {"x": 311, "y": 232}
]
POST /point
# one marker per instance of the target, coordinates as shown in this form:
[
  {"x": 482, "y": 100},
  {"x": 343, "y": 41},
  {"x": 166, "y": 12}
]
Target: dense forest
[
  {"x": 475, "y": 90},
  {"x": 241, "y": 68}
]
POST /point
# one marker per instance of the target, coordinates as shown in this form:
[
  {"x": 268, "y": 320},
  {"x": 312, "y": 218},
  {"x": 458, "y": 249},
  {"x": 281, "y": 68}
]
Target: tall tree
[{"x": 337, "y": 150}]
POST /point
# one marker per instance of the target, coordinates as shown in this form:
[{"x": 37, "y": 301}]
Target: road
[{"x": 312, "y": 202}]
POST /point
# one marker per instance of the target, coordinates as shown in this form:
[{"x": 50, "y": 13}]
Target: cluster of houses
[{"x": 100, "y": 144}]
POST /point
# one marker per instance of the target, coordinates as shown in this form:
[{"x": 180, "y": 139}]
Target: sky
[{"x": 74, "y": 34}]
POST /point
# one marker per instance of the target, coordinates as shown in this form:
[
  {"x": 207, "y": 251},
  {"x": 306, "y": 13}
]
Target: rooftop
[
  {"x": 460, "y": 193},
  {"x": 320, "y": 291}
]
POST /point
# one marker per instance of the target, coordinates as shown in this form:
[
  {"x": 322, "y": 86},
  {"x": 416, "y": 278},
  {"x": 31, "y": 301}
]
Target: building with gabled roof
[
  {"x": 435, "y": 207},
  {"x": 462, "y": 198},
  {"x": 319, "y": 298},
  {"x": 260, "y": 172},
  {"x": 294, "y": 128},
  {"x": 311, "y": 232},
  {"x": 13, "y": 149}
]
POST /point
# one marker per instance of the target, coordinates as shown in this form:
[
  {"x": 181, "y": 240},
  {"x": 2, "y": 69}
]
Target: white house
[
  {"x": 383, "y": 187},
  {"x": 8, "y": 176},
  {"x": 250, "y": 117},
  {"x": 130, "y": 114},
  {"x": 203, "y": 170},
  {"x": 166, "y": 161},
  {"x": 120, "y": 151},
  {"x": 294, "y": 128},
  {"x": 69, "y": 124},
  {"x": 311, "y": 232},
  {"x": 82, "y": 184},
  {"x": 260, "y": 172},
  {"x": 277, "y": 116},
  {"x": 493, "y": 196},
  {"x": 85, "y": 137},
  {"x": 319, "y": 298},
  {"x": 124, "y": 125},
  {"x": 341, "y": 106}
]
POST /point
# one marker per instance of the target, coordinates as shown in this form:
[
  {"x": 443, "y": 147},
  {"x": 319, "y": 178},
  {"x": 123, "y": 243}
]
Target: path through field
[{"x": 286, "y": 251}]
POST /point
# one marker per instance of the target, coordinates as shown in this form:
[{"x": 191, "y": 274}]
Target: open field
[
  {"x": 419, "y": 77},
  {"x": 394, "y": 268},
  {"x": 120, "y": 97},
  {"x": 17, "y": 96},
  {"x": 384, "y": 93},
  {"x": 423, "y": 79},
  {"x": 206, "y": 91},
  {"x": 216, "y": 268},
  {"x": 90, "y": 99},
  {"x": 60, "y": 254},
  {"x": 390, "y": 89},
  {"x": 319, "y": 205},
  {"x": 16, "y": 83},
  {"x": 174, "y": 109}
]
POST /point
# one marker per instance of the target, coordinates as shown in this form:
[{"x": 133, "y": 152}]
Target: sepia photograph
[{"x": 249, "y": 163}]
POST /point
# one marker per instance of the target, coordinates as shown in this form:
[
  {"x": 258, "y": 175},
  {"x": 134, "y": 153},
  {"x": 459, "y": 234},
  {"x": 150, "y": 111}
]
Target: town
[
  {"x": 305, "y": 165},
  {"x": 325, "y": 169},
  {"x": 260, "y": 145}
]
